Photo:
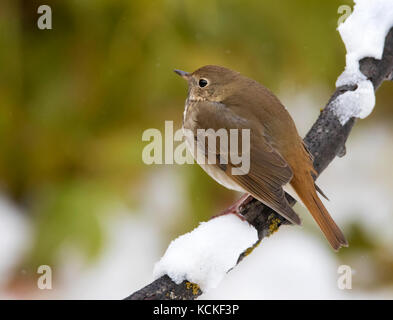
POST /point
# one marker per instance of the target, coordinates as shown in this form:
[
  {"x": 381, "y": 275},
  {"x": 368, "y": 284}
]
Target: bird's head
[{"x": 211, "y": 83}]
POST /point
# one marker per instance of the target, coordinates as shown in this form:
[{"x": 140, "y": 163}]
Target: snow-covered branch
[{"x": 325, "y": 140}]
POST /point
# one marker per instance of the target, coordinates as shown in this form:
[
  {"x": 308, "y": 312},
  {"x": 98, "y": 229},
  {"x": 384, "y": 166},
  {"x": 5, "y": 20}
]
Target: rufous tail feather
[{"x": 307, "y": 193}]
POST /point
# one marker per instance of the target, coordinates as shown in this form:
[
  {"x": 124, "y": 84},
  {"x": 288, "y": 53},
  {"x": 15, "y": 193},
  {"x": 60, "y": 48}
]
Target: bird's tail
[{"x": 307, "y": 193}]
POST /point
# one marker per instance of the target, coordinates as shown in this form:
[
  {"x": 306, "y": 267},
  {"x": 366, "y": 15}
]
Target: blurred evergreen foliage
[{"x": 75, "y": 100}]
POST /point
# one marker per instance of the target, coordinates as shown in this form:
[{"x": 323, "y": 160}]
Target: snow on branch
[
  {"x": 364, "y": 34},
  {"x": 198, "y": 260},
  {"x": 206, "y": 254}
]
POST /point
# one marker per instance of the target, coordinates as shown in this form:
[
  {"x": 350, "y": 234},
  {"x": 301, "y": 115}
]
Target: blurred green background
[{"x": 75, "y": 100}]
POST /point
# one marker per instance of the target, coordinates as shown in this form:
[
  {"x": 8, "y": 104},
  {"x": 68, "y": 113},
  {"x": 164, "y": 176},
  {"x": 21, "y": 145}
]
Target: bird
[{"x": 222, "y": 99}]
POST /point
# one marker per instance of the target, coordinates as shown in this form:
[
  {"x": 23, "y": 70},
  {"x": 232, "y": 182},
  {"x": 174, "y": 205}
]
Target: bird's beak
[{"x": 183, "y": 74}]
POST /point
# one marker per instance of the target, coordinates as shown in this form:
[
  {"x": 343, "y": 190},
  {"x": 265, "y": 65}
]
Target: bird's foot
[{"x": 235, "y": 208}]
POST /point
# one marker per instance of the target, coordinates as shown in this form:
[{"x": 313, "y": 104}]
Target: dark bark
[{"x": 325, "y": 140}]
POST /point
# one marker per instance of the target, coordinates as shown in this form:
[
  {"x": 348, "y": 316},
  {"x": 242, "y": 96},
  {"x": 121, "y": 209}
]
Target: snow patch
[
  {"x": 204, "y": 255},
  {"x": 359, "y": 103},
  {"x": 363, "y": 34}
]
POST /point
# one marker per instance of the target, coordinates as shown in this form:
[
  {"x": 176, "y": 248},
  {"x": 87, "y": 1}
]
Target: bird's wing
[{"x": 267, "y": 172}]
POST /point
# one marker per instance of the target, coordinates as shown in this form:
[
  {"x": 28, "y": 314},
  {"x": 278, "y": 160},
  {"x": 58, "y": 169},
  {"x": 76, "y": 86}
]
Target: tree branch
[{"x": 325, "y": 140}]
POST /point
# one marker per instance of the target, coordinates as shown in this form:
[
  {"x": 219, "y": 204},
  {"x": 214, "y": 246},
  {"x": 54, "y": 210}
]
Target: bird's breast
[{"x": 211, "y": 169}]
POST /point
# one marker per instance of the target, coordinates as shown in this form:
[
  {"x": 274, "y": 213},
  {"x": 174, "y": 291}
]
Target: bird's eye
[{"x": 203, "y": 83}]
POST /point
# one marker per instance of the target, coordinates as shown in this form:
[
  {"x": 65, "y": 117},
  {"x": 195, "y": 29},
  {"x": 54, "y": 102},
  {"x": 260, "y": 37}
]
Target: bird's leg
[{"x": 235, "y": 208}]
